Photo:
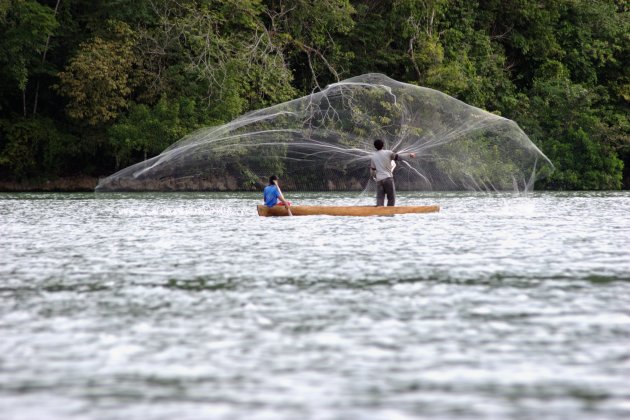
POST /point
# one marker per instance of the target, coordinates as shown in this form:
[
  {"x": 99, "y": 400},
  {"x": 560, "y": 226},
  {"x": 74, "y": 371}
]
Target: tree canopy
[{"x": 91, "y": 86}]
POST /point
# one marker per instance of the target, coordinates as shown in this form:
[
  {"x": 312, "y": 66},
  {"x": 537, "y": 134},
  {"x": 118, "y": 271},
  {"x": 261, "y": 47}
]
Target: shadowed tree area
[{"x": 90, "y": 87}]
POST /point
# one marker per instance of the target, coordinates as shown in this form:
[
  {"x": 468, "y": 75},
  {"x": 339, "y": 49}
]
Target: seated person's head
[{"x": 272, "y": 179}]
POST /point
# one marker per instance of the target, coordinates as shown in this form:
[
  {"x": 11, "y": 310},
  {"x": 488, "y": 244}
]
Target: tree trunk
[{"x": 43, "y": 60}]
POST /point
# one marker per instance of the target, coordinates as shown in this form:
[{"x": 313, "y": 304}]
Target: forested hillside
[{"x": 90, "y": 86}]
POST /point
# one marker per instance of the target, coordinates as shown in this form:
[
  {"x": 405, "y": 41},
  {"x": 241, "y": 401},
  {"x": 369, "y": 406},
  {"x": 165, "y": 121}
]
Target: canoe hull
[{"x": 344, "y": 210}]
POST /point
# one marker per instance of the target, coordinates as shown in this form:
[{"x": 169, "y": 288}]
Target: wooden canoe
[{"x": 344, "y": 210}]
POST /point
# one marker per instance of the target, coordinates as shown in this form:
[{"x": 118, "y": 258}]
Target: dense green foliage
[{"x": 91, "y": 86}]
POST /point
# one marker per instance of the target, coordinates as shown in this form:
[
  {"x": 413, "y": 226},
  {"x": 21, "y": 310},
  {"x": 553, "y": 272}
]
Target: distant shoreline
[
  {"x": 64, "y": 184},
  {"x": 88, "y": 184}
]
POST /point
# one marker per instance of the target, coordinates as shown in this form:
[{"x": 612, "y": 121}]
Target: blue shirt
[{"x": 271, "y": 195}]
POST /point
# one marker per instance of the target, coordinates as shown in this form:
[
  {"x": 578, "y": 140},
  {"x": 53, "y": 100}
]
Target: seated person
[{"x": 272, "y": 194}]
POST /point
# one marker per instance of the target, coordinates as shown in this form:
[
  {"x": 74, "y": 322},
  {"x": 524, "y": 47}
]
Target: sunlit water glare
[{"x": 190, "y": 306}]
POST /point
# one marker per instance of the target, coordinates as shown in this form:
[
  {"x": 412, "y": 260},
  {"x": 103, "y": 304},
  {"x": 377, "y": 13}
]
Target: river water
[{"x": 190, "y": 306}]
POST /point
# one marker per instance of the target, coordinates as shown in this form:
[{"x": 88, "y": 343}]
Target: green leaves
[
  {"x": 24, "y": 28},
  {"x": 96, "y": 81},
  {"x": 34, "y": 147},
  {"x": 125, "y": 73},
  {"x": 146, "y": 131}
]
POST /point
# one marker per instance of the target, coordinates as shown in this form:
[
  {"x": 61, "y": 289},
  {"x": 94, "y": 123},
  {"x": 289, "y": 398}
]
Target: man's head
[
  {"x": 378, "y": 143},
  {"x": 272, "y": 179}
]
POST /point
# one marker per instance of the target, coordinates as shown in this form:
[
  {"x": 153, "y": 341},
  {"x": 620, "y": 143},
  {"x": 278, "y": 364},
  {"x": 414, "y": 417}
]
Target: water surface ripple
[{"x": 189, "y": 306}]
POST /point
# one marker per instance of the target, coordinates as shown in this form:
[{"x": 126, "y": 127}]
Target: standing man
[
  {"x": 273, "y": 196},
  {"x": 381, "y": 169}
]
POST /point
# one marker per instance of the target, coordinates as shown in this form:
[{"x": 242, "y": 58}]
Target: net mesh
[{"x": 324, "y": 141}]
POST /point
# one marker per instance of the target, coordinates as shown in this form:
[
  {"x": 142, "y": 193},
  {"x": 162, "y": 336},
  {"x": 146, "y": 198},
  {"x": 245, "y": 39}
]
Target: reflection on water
[{"x": 190, "y": 306}]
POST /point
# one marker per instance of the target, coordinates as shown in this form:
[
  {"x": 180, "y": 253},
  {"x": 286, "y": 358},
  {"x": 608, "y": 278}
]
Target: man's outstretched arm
[{"x": 403, "y": 156}]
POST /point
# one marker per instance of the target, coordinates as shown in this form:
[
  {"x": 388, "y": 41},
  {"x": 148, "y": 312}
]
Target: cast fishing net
[{"x": 324, "y": 141}]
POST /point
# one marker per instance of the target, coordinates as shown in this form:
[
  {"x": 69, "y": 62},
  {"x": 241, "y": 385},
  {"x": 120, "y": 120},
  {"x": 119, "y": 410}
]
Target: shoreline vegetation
[
  {"x": 218, "y": 184},
  {"x": 64, "y": 184},
  {"x": 91, "y": 88},
  {"x": 225, "y": 184}
]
